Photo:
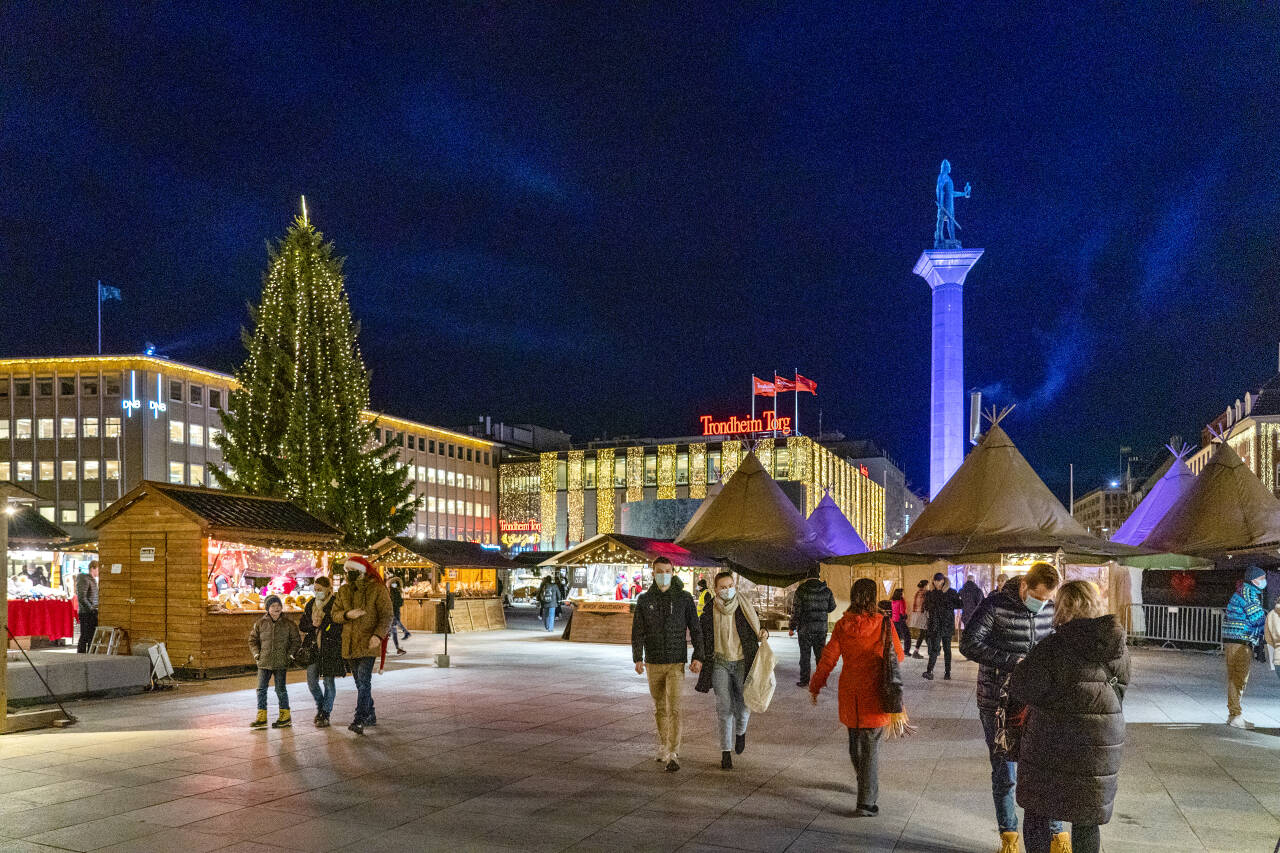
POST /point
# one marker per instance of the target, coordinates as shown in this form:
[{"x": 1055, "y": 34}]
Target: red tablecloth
[{"x": 45, "y": 618}]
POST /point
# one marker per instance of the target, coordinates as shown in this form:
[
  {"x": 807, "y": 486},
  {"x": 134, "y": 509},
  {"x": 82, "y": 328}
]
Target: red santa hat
[{"x": 356, "y": 563}]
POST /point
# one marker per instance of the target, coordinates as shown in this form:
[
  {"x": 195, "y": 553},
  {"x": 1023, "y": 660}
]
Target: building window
[
  {"x": 47, "y": 512},
  {"x": 468, "y": 454},
  {"x": 215, "y": 398},
  {"x": 90, "y": 429},
  {"x": 175, "y": 391},
  {"x": 214, "y": 432},
  {"x": 619, "y": 472},
  {"x": 197, "y": 475},
  {"x": 44, "y": 386},
  {"x": 650, "y": 470},
  {"x": 24, "y": 472},
  {"x": 69, "y": 516},
  {"x": 44, "y": 428},
  {"x": 22, "y": 428},
  {"x": 68, "y": 469},
  {"x": 91, "y": 469},
  {"x": 486, "y": 457},
  {"x": 111, "y": 386},
  {"x": 713, "y": 466},
  {"x": 431, "y": 503},
  {"x": 450, "y": 506},
  {"x": 176, "y": 472},
  {"x": 112, "y": 467},
  {"x": 195, "y": 395},
  {"x": 66, "y": 427},
  {"x": 197, "y": 435},
  {"x": 46, "y": 470},
  {"x": 67, "y": 388},
  {"x": 22, "y": 387},
  {"x": 422, "y": 444},
  {"x": 431, "y": 446},
  {"x": 682, "y": 469},
  {"x": 471, "y": 481},
  {"x": 4, "y": 430},
  {"x": 88, "y": 387},
  {"x": 588, "y": 474},
  {"x": 177, "y": 432},
  {"x": 112, "y": 428},
  {"x": 90, "y": 509},
  {"x": 450, "y": 451},
  {"x": 4, "y": 471}
]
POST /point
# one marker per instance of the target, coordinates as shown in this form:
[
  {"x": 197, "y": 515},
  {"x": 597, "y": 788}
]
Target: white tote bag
[{"x": 758, "y": 691}]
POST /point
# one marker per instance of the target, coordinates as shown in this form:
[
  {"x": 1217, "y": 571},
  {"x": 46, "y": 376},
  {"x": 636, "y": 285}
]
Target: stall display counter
[
  {"x": 469, "y": 614},
  {"x": 600, "y": 621},
  {"x": 45, "y": 617}
]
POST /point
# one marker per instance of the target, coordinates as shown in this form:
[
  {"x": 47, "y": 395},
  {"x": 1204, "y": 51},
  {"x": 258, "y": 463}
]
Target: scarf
[
  {"x": 317, "y": 608},
  {"x": 724, "y": 619}
]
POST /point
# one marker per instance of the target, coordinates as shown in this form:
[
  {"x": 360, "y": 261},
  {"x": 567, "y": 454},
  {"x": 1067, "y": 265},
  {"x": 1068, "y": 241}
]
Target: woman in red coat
[{"x": 858, "y": 638}]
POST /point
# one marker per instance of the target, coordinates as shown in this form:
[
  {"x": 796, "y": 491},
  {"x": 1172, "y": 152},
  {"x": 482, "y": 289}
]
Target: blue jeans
[
  {"x": 549, "y": 618},
  {"x": 282, "y": 691},
  {"x": 362, "y": 672},
  {"x": 727, "y": 678},
  {"x": 396, "y": 624},
  {"x": 1004, "y": 780},
  {"x": 324, "y": 697},
  {"x": 1039, "y": 835}
]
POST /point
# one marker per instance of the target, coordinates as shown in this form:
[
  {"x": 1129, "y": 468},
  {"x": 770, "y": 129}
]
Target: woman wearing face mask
[
  {"x": 731, "y": 632},
  {"x": 319, "y": 631}
]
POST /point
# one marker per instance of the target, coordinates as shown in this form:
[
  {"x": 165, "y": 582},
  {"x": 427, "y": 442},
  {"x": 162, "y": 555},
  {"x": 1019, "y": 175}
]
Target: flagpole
[
  {"x": 99, "y": 316},
  {"x": 796, "y": 387},
  {"x": 753, "y": 396}
]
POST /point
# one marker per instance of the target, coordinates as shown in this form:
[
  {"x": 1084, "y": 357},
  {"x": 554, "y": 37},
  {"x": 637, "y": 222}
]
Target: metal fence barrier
[{"x": 1172, "y": 625}]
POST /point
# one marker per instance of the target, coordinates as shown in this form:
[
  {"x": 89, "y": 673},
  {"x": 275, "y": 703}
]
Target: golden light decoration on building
[
  {"x": 519, "y": 492},
  {"x": 800, "y": 448},
  {"x": 576, "y": 497},
  {"x": 635, "y": 474},
  {"x": 547, "y": 484},
  {"x": 604, "y": 490},
  {"x": 764, "y": 452},
  {"x": 666, "y": 472},
  {"x": 698, "y": 471},
  {"x": 730, "y": 458}
]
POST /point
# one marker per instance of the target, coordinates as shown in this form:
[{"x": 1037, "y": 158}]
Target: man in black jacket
[
  {"x": 940, "y": 605},
  {"x": 664, "y": 615},
  {"x": 1002, "y": 631},
  {"x": 809, "y": 608}
]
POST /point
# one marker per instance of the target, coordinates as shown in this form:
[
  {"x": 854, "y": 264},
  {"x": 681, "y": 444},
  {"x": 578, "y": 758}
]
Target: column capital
[{"x": 946, "y": 266}]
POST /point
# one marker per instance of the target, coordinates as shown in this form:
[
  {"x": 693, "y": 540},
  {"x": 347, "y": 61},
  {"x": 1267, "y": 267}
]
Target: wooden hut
[
  {"x": 427, "y": 565},
  {"x": 158, "y": 546}
]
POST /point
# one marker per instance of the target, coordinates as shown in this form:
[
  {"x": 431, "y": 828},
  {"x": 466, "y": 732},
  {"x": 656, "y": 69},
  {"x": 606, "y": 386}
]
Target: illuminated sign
[
  {"x": 132, "y": 402},
  {"x": 156, "y": 405},
  {"x": 735, "y": 425},
  {"x": 862, "y": 469},
  {"x": 521, "y": 540},
  {"x": 519, "y": 526}
]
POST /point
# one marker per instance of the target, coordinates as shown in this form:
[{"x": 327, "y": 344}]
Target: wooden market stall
[
  {"x": 593, "y": 569},
  {"x": 432, "y": 567},
  {"x": 190, "y": 567},
  {"x": 36, "y": 610}
]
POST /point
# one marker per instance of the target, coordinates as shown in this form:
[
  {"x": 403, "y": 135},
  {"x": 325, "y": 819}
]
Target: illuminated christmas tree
[{"x": 294, "y": 427}]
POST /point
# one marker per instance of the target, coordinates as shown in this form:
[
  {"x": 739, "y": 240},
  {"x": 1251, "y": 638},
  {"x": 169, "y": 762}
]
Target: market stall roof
[
  {"x": 1227, "y": 510},
  {"x": 611, "y": 548},
  {"x": 831, "y": 531},
  {"x": 28, "y": 530},
  {"x": 248, "y": 519},
  {"x": 754, "y": 527},
  {"x": 993, "y": 505},
  {"x": 438, "y": 553},
  {"x": 1155, "y": 506}
]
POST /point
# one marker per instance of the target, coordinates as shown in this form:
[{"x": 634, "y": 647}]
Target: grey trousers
[{"x": 864, "y": 751}]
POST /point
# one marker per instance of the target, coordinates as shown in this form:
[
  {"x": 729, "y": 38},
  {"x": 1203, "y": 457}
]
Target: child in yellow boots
[{"x": 273, "y": 642}]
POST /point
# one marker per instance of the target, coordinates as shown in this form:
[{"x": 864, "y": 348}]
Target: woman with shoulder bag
[
  {"x": 731, "y": 629},
  {"x": 918, "y": 619},
  {"x": 323, "y": 640},
  {"x": 1073, "y": 685},
  {"x": 869, "y": 686}
]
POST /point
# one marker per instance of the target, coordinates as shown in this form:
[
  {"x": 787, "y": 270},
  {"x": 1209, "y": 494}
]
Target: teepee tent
[
  {"x": 1227, "y": 511},
  {"x": 831, "y": 532},
  {"x": 1155, "y": 506},
  {"x": 754, "y": 528}
]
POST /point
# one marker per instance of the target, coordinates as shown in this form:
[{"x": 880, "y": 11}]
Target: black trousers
[
  {"x": 88, "y": 624},
  {"x": 939, "y": 642},
  {"x": 904, "y": 634},
  {"x": 810, "y": 643}
]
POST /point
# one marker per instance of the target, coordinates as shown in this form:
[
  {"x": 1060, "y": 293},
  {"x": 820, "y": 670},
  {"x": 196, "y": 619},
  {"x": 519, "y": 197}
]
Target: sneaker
[
  {"x": 1239, "y": 722},
  {"x": 740, "y": 743},
  {"x": 401, "y": 652},
  {"x": 927, "y": 675},
  {"x": 371, "y": 721},
  {"x": 866, "y": 811},
  {"x": 356, "y": 727},
  {"x": 946, "y": 676},
  {"x": 804, "y": 682},
  {"x": 406, "y": 636},
  {"x": 672, "y": 764},
  {"x": 726, "y": 760},
  {"x": 662, "y": 756}
]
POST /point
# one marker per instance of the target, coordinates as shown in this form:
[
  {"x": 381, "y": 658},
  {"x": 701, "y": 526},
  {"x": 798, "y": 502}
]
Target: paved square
[{"x": 535, "y": 744}]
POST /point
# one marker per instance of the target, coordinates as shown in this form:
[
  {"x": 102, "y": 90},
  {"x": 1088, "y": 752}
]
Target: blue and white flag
[{"x": 106, "y": 293}]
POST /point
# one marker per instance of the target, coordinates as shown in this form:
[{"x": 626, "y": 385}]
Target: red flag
[
  {"x": 781, "y": 384},
  {"x": 762, "y": 388},
  {"x": 808, "y": 385}
]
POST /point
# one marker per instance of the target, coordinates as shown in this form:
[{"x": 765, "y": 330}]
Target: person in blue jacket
[{"x": 1242, "y": 625}]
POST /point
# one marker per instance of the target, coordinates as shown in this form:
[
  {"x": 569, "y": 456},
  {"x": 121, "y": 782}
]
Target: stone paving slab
[{"x": 534, "y": 744}]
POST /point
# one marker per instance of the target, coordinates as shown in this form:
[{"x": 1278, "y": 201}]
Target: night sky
[{"x": 603, "y": 218}]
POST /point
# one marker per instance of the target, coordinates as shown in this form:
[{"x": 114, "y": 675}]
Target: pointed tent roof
[
  {"x": 1226, "y": 509},
  {"x": 1163, "y": 495},
  {"x": 994, "y": 504},
  {"x": 754, "y": 527},
  {"x": 831, "y": 531}
]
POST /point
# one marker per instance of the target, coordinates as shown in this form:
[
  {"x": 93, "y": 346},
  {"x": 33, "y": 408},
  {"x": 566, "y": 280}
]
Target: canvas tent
[
  {"x": 1226, "y": 513},
  {"x": 831, "y": 532},
  {"x": 754, "y": 528},
  {"x": 1167, "y": 491}
]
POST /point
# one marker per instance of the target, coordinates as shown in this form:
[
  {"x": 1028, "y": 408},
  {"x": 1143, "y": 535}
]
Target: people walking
[
  {"x": 859, "y": 639},
  {"x": 363, "y": 608},
  {"x": 325, "y": 637},
  {"x": 703, "y": 596},
  {"x": 1005, "y": 627},
  {"x": 731, "y": 636},
  {"x": 87, "y": 606},
  {"x": 1242, "y": 627},
  {"x": 397, "y": 604},
  {"x": 1272, "y": 637},
  {"x": 940, "y": 605},
  {"x": 273, "y": 640},
  {"x": 971, "y": 594},
  {"x": 549, "y": 597},
  {"x": 1072, "y": 684},
  {"x": 809, "y": 608},
  {"x": 664, "y": 615},
  {"x": 917, "y": 619},
  {"x": 898, "y": 614}
]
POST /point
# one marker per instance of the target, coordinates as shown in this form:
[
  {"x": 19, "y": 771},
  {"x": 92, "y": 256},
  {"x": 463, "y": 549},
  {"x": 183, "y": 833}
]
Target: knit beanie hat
[
  {"x": 1252, "y": 573},
  {"x": 939, "y": 576},
  {"x": 271, "y": 599}
]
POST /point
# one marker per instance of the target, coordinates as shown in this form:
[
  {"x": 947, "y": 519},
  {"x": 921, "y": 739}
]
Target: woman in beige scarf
[{"x": 731, "y": 629}]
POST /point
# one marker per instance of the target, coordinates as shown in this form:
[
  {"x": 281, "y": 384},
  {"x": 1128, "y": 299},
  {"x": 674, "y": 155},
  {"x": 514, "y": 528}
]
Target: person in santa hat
[{"x": 363, "y": 608}]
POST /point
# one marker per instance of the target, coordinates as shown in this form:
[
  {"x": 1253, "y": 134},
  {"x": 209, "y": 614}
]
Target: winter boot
[
  {"x": 740, "y": 743},
  {"x": 1009, "y": 842},
  {"x": 726, "y": 760},
  {"x": 1060, "y": 843},
  {"x": 260, "y": 721},
  {"x": 283, "y": 721}
]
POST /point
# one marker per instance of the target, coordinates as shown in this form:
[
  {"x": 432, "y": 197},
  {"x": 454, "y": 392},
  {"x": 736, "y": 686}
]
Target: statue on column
[{"x": 944, "y": 232}]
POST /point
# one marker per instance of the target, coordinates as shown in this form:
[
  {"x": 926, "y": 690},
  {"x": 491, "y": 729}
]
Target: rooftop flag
[
  {"x": 761, "y": 388},
  {"x": 807, "y": 385},
  {"x": 781, "y": 383}
]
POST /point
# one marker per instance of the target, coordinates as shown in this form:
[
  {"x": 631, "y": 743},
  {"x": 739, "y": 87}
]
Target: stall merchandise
[
  {"x": 433, "y": 568},
  {"x": 191, "y": 567},
  {"x": 41, "y": 601}
]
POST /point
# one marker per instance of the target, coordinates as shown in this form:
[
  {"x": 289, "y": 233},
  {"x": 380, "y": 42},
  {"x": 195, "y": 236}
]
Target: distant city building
[
  {"x": 1252, "y": 425},
  {"x": 1103, "y": 510},
  {"x": 902, "y": 506},
  {"x": 82, "y": 431},
  {"x": 520, "y": 437}
]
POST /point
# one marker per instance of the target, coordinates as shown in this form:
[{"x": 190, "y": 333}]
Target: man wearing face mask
[
  {"x": 1003, "y": 629},
  {"x": 363, "y": 608},
  {"x": 664, "y": 615},
  {"x": 1242, "y": 625}
]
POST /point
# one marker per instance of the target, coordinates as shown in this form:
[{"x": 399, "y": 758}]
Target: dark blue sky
[{"x": 604, "y": 219}]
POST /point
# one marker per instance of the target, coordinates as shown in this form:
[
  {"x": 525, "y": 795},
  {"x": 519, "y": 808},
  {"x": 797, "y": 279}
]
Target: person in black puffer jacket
[
  {"x": 1004, "y": 628},
  {"x": 940, "y": 605},
  {"x": 664, "y": 615},
  {"x": 809, "y": 608},
  {"x": 1073, "y": 685}
]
